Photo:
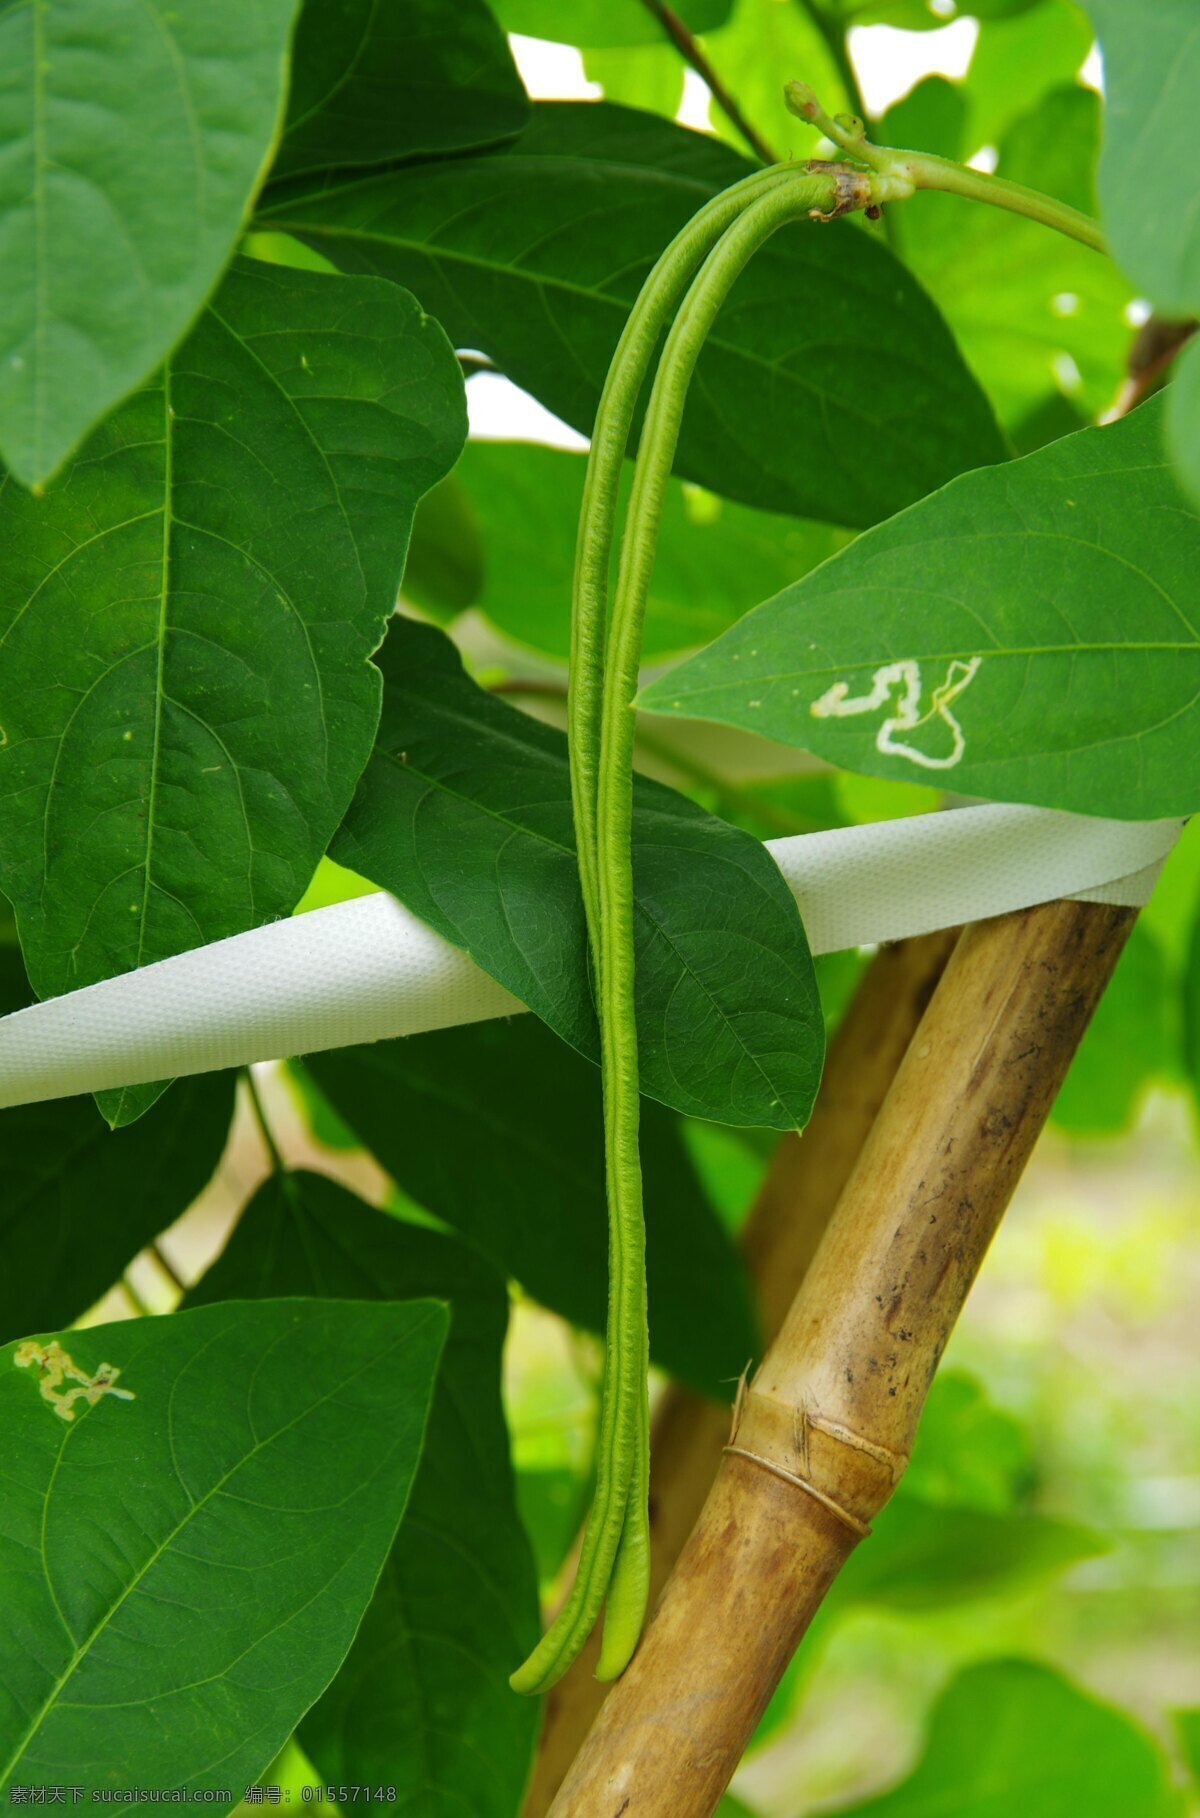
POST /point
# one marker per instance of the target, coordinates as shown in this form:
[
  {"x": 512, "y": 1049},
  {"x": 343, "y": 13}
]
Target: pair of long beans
[
  {"x": 615, "y": 1558},
  {"x": 614, "y": 1562}
]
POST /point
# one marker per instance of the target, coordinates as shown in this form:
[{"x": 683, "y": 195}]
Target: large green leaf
[
  {"x": 374, "y": 80},
  {"x": 1032, "y": 310},
  {"x": 78, "y": 1200},
  {"x": 533, "y": 255},
  {"x": 188, "y": 614},
  {"x": 183, "y": 1571},
  {"x": 1030, "y": 632},
  {"x": 1010, "y": 1736},
  {"x": 134, "y": 139},
  {"x": 528, "y": 1187},
  {"x": 593, "y": 24},
  {"x": 1147, "y": 186},
  {"x": 714, "y": 560},
  {"x": 422, "y": 1702},
  {"x": 464, "y": 813}
]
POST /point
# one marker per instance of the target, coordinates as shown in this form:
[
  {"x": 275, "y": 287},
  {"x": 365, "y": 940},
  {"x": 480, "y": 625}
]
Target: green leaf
[
  {"x": 182, "y": 1572},
  {"x": 928, "y": 1555},
  {"x": 1021, "y": 54},
  {"x": 1131, "y": 1040},
  {"x": 933, "y": 115},
  {"x": 714, "y": 559},
  {"x": 1147, "y": 187},
  {"x": 1187, "y": 1723},
  {"x": 553, "y": 1500},
  {"x": 1031, "y": 631},
  {"x": 422, "y": 1701},
  {"x": 134, "y": 140},
  {"x": 1010, "y": 1736},
  {"x": 464, "y": 813},
  {"x": 1191, "y": 1010},
  {"x": 1033, "y": 312},
  {"x": 496, "y": 1130},
  {"x": 596, "y": 24},
  {"x": 188, "y": 613},
  {"x": 371, "y": 83},
  {"x": 644, "y": 75},
  {"x": 78, "y": 1201},
  {"x": 445, "y": 570},
  {"x": 534, "y": 254},
  {"x": 763, "y": 45},
  {"x": 968, "y": 1453}
]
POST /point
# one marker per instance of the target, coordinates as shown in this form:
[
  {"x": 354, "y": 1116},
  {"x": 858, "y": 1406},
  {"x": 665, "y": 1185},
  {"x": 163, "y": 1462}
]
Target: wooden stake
[
  {"x": 826, "y": 1427},
  {"x": 780, "y": 1238}
]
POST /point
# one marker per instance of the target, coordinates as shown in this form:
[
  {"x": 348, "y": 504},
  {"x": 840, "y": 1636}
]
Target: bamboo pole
[
  {"x": 823, "y": 1435},
  {"x": 780, "y": 1237}
]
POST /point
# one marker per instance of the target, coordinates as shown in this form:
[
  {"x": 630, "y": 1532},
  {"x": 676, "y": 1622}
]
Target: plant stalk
[
  {"x": 694, "y": 54},
  {"x": 823, "y": 1435}
]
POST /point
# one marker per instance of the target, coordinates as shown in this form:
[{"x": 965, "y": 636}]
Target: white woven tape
[{"x": 366, "y": 970}]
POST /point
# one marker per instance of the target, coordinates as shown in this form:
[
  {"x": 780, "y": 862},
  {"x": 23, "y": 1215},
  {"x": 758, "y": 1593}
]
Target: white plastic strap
[{"x": 366, "y": 970}]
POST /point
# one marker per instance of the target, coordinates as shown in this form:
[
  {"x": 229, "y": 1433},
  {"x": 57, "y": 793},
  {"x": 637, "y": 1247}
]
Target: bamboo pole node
[
  {"x": 861, "y": 1528},
  {"x": 770, "y": 1419}
]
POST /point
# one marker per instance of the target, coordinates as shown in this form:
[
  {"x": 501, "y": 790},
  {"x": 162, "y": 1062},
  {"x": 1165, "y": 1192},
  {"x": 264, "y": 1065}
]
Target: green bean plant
[{"x": 907, "y": 487}]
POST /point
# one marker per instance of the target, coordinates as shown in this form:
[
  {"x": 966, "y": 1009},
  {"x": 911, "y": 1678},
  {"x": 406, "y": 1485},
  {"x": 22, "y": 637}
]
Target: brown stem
[
  {"x": 693, "y": 53},
  {"x": 780, "y": 1238},
  {"x": 1151, "y": 357},
  {"x": 824, "y": 1433}
]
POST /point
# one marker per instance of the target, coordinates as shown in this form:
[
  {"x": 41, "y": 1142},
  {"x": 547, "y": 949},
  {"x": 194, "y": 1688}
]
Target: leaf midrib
[
  {"x": 848, "y": 665},
  {"x": 160, "y": 660},
  {"x": 41, "y": 251}
]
